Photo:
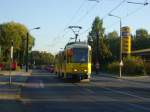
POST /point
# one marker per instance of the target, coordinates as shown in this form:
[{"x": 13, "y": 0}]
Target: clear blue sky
[{"x": 54, "y": 16}]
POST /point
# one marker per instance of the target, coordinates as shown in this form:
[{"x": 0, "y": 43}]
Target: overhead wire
[
  {"x": 133, "y": 12},
  {"x": 88, "y": 11},
  {"x": 105, "y": 15},
  {"x": 80, "y": 7},
  {"x": 78, "y": 10},
  {"x": 116, "y": 7},
  {"x": 64, "y": 30},
  {"x": 129, "y": 14}
]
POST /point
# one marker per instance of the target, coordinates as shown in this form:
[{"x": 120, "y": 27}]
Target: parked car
[
  {"x": 50, "y": 68},
  {"x": 1, "y": 66},
  {"x": 14, "y": 65}
]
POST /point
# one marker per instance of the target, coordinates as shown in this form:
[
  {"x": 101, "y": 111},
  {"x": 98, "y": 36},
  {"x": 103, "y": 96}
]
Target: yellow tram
[{"x": 74, "y": 62}]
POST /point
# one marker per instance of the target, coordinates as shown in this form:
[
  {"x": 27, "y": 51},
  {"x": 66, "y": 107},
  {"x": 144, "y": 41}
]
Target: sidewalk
[
  {"x": 16, "y": 73},
  {"x": 139, "y": 79},
  {"x": 9, "y": 92},
  {"x": 12, "y": 92}
]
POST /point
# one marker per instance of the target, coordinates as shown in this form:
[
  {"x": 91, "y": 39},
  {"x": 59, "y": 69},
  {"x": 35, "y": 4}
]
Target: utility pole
[
  {"x": 121, "y": 62},
  {"x": 27, "y": 47},
  {"x": 97, "y": 53},
  {"x": 75, "y": 30}
]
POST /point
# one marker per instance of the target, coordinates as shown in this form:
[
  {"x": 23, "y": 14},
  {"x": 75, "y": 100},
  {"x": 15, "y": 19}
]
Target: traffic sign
[{"x": 121, "y": 63}]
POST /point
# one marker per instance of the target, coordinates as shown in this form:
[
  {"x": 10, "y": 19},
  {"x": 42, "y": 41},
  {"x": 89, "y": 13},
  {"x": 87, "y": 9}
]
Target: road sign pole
[
  {"x": 11, "y": 59},
  {"x": 120, "y": 71},
  {"x": 121, "y": 65}
]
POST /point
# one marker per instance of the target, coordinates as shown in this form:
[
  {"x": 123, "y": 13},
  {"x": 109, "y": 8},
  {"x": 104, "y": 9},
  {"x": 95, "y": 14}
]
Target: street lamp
[
  {"x": 121, "y": 62},
  {"x": 139, "y": 3},
  {"x": 27, "y": 46}
]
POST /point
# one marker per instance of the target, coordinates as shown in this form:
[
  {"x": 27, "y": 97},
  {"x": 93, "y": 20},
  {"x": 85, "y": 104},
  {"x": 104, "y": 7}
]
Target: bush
[
  {"x": 147, "y": 68},
  {"x": 113, "y": 67},
  {"x": 131, "y": 66},
  {"x": 6, "y": 66},
  {"x": 18, "y": 68}
]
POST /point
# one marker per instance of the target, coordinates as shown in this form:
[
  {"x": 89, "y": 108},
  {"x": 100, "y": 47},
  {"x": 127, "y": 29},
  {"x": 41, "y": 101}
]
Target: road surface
[{"x": 44, "y": 92}]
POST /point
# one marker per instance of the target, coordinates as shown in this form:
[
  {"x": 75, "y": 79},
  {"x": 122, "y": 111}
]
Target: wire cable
[
  {"x": 130, "y": 14},
  {"x": 87, "y": 12},
  {"x": 64, "y": 30},
  {"x": 116, "y": 7}
]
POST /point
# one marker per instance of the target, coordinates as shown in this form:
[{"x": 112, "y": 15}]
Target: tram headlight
[
  {"x": 75, "y": 70},
  {"x": 85, "y": 70}
]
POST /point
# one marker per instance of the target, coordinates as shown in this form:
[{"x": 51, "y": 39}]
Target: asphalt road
[{"x": 44, "y": 92}]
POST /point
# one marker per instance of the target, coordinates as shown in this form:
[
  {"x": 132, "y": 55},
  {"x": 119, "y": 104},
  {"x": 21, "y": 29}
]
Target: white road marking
[
  {"x": 129, "y": 101},
  {"x": 41, "y": 84}
]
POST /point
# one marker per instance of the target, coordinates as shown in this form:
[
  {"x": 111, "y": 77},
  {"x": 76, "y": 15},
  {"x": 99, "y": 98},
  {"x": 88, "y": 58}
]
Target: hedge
[
  {"x": 131, "y": 66},
  {"x": 113, "y": 67},
  {"x": 147, "y": 68}
]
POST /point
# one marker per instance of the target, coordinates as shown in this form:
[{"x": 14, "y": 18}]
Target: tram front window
[{"x": 80, "y": 55}]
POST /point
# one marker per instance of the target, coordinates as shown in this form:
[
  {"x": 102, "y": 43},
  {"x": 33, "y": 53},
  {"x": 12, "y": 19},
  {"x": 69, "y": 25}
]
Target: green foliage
[
  {"x": 105, "y": 53},
  {"x": 133, "y": 65},
  {"x": 113, "y": 67},
  {"x": 100, "y": 50},
  {"x": 140, "y": 43},
  {"x": 141, "y": 33},
  {"x": 141, "y": 40},
  {"x": 6, "y": 65},
  {"x": 112, "y": 35},
  {"x": 17, "y": 33},
  {"x": 147, "y": 68},
  {"x": 41, "y": 58},
  {"x": 114, "y": 45},
  {"x": 18, "y": 68}
]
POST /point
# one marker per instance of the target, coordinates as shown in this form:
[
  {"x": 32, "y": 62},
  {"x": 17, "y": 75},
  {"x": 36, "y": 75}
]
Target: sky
[{"x": 54, "y": 17}]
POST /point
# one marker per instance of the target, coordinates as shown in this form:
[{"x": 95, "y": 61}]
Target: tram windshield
[{"x": 80, "y": 55}]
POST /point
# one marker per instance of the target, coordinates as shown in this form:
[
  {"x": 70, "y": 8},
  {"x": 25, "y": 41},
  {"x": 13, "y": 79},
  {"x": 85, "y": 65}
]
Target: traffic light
[{"x": 126, "y": 40}]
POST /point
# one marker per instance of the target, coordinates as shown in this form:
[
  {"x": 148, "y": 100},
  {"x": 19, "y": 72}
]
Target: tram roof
[{"x": 76, "y": 44}]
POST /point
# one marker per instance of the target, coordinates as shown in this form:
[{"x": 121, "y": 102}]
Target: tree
[
  {"x": 41, "y": 58},
  {"x": 15, "y": 32},
  {"x": 141, "y": 33},
  {"x": 114, "y": 44},
  {"x": 112, "y": 35},
  {"x": 141, "y": 40},
  {"x": 100, "y": 50}
]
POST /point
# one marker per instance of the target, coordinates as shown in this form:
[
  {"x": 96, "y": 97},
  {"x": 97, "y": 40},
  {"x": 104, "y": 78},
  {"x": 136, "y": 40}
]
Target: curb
[
  {"x": 10, "y": 92},
  {"x": 116, "y": 77}
]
